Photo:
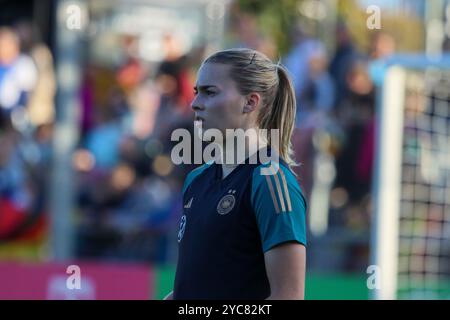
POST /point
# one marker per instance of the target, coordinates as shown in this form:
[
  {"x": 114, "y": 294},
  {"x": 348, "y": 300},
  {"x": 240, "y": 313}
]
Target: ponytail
[{"x": 281, "y": 115}]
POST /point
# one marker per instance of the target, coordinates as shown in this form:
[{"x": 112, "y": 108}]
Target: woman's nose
[{"x": 196, "y": 106}]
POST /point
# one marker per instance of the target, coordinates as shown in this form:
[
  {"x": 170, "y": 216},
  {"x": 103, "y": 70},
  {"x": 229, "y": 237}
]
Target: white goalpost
[{"x": 410, "y": 240}]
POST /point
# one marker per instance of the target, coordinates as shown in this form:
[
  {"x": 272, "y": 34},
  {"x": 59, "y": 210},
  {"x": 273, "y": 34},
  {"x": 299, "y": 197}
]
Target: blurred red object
[
  {"x": 17, "y": 224},
  {"x": 130, "y": 75},
  {"x": 10, "y": 217}
]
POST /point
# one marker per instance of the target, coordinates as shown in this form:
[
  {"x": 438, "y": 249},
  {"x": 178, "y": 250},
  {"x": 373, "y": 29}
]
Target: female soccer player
[{"x": 242, "y": 233}]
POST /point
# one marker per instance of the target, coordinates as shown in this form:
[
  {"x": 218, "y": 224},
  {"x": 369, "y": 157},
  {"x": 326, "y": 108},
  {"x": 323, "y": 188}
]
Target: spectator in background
[
  {"x": 382, "y": 46},
  {"x": 18, "y": 72},
  {"x": 356, "y": 115},
  {"x": 308, "y": 66},
  {"x": 12, "y": 195},
  {"x": 342, "y": 61},
  {"x": 132, "y": 71},
  {"x": 104, "y": 139},
  {"x": 174, "y": 84},
  {"x": 40, "y": 106},
  {"x": 20, "y": 193},
  {"x": 298, "y": 59},
  {"x": 245, "y": 27},
  {"x": 250, "y": 36},
  {"x": 356, "y": 112},
  {"x": 318, "y": 92},
  {"x": 24, "y": 151},
  {"x": 145, "y": 102}
]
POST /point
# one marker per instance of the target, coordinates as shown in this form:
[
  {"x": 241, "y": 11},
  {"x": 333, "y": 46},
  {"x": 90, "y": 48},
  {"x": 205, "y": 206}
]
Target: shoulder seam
[{"x": 194, "y": 173}]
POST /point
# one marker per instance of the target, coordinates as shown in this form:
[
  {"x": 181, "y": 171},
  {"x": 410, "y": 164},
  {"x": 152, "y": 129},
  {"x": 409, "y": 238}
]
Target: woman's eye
[{"x": 210, "y": 93}]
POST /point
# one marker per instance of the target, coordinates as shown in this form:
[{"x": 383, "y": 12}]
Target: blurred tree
[
  {"x": 394, "y": 23},
  {"x": 276, "y": 19}
]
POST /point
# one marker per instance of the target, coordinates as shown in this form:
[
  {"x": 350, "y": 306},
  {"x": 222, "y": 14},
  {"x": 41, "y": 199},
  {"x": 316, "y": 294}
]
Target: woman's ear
[{"x": 252, "y": 102}]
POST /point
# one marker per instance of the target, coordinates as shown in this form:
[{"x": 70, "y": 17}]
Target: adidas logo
[{"x": 188, "y": 205}]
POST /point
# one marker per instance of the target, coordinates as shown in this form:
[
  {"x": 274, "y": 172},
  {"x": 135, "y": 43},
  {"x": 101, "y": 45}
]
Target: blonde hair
[{"x": 254, "y": 72}]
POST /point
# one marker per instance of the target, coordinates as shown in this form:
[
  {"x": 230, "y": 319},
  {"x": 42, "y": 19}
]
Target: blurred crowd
[
  {"x": 27, "y": 88},
  {"x": 128, "y": 198}
]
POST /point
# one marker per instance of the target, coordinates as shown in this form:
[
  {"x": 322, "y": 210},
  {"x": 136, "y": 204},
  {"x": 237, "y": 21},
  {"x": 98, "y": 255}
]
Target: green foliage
[
  {"x": 275, "y": 18},
  {"x": 356, "y": 18}
]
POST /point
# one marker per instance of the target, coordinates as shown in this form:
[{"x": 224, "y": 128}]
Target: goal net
[{"x": 411, "y": 191}]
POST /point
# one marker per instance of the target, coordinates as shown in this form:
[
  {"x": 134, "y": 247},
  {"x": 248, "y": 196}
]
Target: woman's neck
[{"x": 253, "y": 143}]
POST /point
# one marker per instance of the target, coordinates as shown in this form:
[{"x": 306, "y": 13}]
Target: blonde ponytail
[{"x": 281, "y": 114}]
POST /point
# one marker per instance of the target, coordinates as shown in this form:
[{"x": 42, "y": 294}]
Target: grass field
[{"x": 318, "y": 287}]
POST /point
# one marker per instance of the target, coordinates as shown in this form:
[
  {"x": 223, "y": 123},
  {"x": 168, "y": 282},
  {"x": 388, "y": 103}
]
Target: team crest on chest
[{"x": 226, "y": 204}]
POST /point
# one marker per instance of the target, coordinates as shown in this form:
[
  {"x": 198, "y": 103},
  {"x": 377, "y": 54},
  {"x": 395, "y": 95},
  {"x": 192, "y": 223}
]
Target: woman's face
[{"x": 218, "y": 103}]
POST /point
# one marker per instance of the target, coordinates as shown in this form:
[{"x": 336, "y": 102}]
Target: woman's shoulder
[
  {"x": 195, "y": 173},
  {"x": 275, "y": 173}
]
